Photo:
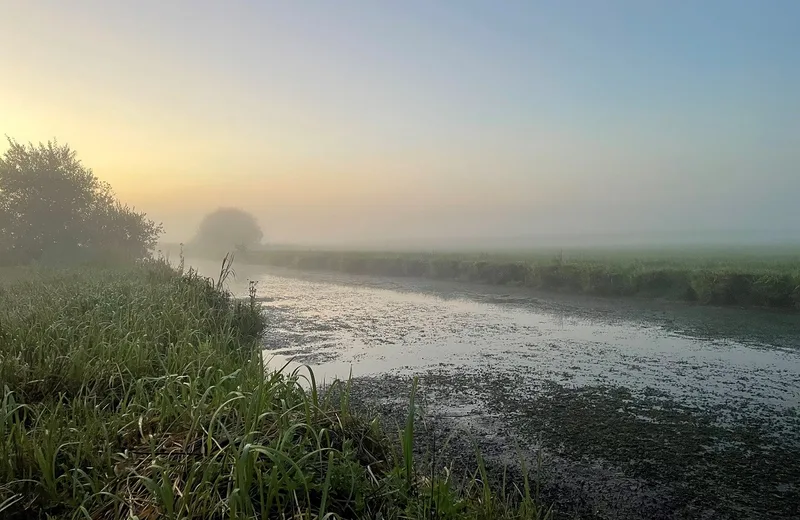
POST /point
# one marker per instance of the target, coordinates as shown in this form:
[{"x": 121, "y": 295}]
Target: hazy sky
[{"x": 334, "y": 120}]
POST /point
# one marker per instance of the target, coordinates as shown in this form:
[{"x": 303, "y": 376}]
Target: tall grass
[
  {"x": 718, "y": 280},
  {"x": 140, "y": 392}
]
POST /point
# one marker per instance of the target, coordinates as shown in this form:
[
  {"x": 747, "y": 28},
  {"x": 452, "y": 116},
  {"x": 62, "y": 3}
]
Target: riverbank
[
  {"x": 740, "y": 280},
  {"x": 140, "y": 392}
]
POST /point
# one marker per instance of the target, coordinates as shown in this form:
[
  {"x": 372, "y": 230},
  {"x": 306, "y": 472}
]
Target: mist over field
[
  {"x": 503, "y": 229},
  {"x": 513, "y": 228}
]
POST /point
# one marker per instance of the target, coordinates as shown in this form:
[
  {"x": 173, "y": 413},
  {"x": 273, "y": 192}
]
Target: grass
[
  {"x": 741, "y": 277},
  {"x": 140, "y": 392}
]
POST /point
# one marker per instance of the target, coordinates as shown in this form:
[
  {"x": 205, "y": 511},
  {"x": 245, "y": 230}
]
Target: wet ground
[{"x": 633, "y": 408}]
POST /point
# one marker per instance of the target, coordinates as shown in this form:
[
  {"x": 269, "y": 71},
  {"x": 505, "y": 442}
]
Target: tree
[
  {"x": 51, "y": 205},
  {"x": 227, "y": 229}
]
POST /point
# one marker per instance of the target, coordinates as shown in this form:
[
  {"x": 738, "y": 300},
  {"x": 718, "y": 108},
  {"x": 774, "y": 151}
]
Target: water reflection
[{"x": 336, "y": 328}]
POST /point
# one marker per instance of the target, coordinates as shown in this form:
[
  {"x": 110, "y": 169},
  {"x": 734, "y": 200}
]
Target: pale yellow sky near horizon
[
  {"x": 178, "y": 174},
  {"x": 358, "y": 121}
]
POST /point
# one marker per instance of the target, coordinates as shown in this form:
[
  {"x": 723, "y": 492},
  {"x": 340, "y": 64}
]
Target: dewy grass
[
  {"x": 713, "y": 277},
  {"x": 140, "y": 392}
]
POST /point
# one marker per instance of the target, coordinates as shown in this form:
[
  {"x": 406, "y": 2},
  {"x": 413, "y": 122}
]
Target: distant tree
[
  {"x": 228, "y": 229},
  {"x": 51, "y": 205}
]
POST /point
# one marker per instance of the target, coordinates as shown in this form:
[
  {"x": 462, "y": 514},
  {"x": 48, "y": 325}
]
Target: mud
[{"x": 636, "y": 409}]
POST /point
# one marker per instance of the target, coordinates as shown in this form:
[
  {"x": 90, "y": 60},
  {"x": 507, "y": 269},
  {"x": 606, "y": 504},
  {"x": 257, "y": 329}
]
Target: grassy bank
[
  {"x": 745, "y": 279},
  {"x": 140, "y": 393}
]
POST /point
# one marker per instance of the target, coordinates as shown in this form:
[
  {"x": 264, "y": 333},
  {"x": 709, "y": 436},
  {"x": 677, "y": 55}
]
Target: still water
[{"x": 343, "y": 328}]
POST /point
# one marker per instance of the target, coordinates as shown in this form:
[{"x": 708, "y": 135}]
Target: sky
[{"x": 359, "y": 121}]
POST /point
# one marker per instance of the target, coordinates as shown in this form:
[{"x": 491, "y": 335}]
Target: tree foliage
[
  {"x": 52, "y": 206},
  {"x": 226, "y": 229}
]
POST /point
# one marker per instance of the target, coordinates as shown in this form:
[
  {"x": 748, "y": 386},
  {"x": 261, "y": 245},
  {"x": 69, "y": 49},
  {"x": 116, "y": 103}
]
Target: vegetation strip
[{"x": 763, "y": 282}]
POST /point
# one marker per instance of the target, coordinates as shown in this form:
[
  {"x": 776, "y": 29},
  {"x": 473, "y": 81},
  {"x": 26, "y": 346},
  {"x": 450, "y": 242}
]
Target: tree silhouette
[
  {"x": 53, "y": 206},
  {"x": 227, "y": 229}
]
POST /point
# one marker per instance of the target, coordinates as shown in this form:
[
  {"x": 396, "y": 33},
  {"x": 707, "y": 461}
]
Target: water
[
  {"x": 339, "y": 329},
  {"x": 701, "y": 400}
]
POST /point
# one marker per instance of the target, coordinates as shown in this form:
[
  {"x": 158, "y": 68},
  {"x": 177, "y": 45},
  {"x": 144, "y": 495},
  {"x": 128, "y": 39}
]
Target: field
[
  {"x": 743, "y": 277},
  {"x": 140, "y": 392}
]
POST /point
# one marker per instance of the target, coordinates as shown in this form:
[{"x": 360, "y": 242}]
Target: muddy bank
[
  {"x": 640, "y": 410},
  {"x": 451, "y": 435},
  {"x": 602, "y": 452}
]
